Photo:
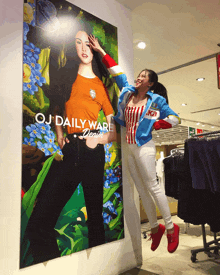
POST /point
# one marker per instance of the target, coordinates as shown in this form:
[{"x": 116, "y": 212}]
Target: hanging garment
[
  {"x": 172, "y": 168},
  {"x": 196, "y": 206},
  {"x": 204, "y": 160}
]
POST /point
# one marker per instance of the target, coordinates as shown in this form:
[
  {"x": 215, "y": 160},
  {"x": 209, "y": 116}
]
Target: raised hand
[{"x": 95, "y": 45}]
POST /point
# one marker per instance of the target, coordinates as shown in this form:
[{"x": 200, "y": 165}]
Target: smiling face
[
  {"x": 83, "y": 47},
  {"x": 143, "y": 81}
]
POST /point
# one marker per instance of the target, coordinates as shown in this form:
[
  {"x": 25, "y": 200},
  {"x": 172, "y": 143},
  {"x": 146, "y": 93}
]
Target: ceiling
[{"x": 181, "y": 38}]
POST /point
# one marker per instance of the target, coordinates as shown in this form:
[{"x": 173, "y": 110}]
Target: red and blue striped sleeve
[{"x": 116, "y": 71}]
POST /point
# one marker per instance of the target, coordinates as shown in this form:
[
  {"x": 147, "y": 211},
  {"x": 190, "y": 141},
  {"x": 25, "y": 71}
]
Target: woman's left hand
[
  {"x": 94, "y": 43},
  {"x": 91, "y": 142}
]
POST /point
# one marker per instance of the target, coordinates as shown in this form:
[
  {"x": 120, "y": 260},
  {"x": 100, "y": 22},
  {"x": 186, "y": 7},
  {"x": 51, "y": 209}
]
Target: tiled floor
[{"x": 178, "y": 263}]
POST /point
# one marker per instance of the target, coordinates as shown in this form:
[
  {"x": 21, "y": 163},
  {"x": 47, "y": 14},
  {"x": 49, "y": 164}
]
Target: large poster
[{"x": 71, "y": 190}]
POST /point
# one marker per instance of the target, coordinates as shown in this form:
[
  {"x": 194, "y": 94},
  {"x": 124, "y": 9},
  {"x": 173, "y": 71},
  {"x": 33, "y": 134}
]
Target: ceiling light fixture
[
  {"x": 184, "y": 104},
  {"x": 197, "y": 123},
  {"x": 141, "y": 45},
  {"x": 200, "y": 79}
]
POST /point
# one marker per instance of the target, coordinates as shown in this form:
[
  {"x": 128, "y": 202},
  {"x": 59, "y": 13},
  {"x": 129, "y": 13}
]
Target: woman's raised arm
[{"x": 114, "y": 69}]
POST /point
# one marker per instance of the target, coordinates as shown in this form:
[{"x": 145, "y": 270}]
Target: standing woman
[
  {"x": 83, "y": 161},
  {"x": 139, "y": 110}
]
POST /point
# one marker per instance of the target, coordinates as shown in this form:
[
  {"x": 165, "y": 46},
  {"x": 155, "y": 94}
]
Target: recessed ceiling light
[
  {"x": 213, "y": 127},
  {"x": 219, "y": 114},
  {"x": 141, "y": 45},
  {"x": 203, "y": 125},
  {"x": 184, "y": 104},
  {"x": 200, "y": 79},
  {"x": 197, "y": 123}
]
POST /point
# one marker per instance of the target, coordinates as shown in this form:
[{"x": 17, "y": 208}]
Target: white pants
[{"x": 141, "y": 163}]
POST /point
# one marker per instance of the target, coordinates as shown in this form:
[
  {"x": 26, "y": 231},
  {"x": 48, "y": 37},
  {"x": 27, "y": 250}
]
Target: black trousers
[{"x": 80, "y": 164}]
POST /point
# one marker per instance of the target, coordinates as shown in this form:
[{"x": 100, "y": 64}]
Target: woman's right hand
[
  {"x": 61, "y": 141},
  {"x": 95, "y": 45}
]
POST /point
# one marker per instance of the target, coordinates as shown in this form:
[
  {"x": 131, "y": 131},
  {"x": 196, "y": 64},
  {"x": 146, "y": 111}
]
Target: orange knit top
[{"x": 88, "y": 97}]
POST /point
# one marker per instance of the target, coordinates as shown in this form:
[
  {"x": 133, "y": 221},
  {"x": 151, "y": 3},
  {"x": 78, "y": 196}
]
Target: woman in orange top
[{"x": 83, "y": 161}]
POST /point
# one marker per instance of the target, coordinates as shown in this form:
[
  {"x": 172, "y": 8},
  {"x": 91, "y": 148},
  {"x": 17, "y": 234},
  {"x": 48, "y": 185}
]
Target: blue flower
[
  {"x": 49, "y": 140},
  {"x": 56, "y": 149},
  {"x": 25, "y": 30},
  {"x": 110, "y": 178},
  {"x": 60, "y": 153},
  {"x": 32, "y": 62},
  {"x": 34, "y": 131},
  {"x": 26, "y": 59},
  {"x": 118, "y": 196},
  {"x": 31, "y": 51},
  {"x": 107, "y": 184},
  {"x": 108, "y": 157},
  {"x": 38, "y": 78},
  {"x": 103, "y": 130},
  {"x": 44, "y": 128},
  {"x": 109, "y": 173},
  {"x": 44, "y": 148},
  {"x": 29, "y": 141},
  {"x": 107, "y": 146},
  {"x": 106, "y": 218},
  {"x": 50, "y": 134},
  {"x": 110, "y": 206},
  {"x": 113, "y": 180},
  {"x": 30, "y": 87}
]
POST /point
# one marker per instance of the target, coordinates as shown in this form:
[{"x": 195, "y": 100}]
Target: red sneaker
[
  {"x": 156, "y": 237},
  {"x": 173, "y": 239}
]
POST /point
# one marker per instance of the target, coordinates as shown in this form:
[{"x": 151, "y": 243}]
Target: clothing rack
[
  {"x": 212, "y": 245},
  {"x": 207, "y": 247},
  {"x": 207, "y": 134},
  {"x": 177, "y": 150}
]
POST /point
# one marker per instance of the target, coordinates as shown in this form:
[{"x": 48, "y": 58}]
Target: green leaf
[
  {"x": 67, "y": 251},
  {"x": 69, "y": 217},
  {"x": 40, "y": 97},
  {"x": 44, "y": 61},
  {"x": 113, "y": 223},
  {"x": 121, "y": 234},
  {"x": 80, "y": 244},
  {"x": 30, "y": 196},
  {"x": 110, "y": 191}
]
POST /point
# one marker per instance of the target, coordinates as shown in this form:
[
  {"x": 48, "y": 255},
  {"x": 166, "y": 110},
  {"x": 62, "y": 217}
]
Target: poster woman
[{"x": 84, "y": 156}]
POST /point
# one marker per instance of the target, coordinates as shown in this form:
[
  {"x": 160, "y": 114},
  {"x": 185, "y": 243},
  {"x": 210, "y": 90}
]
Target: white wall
[{"x": 112, "y": 258}]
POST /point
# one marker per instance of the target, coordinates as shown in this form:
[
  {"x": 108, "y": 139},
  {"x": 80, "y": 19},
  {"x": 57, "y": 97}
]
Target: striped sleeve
[
  {"x": 116, "y": 71},
  {"x": 113, "y": 68}
]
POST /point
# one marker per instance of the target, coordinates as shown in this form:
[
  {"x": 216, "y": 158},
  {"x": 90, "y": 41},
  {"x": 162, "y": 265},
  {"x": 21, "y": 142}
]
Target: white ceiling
[{"x": 176, "y": 33}]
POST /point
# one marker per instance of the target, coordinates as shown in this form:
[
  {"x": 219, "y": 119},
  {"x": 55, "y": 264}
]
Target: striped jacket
[{"x": 156, "y": 107}]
